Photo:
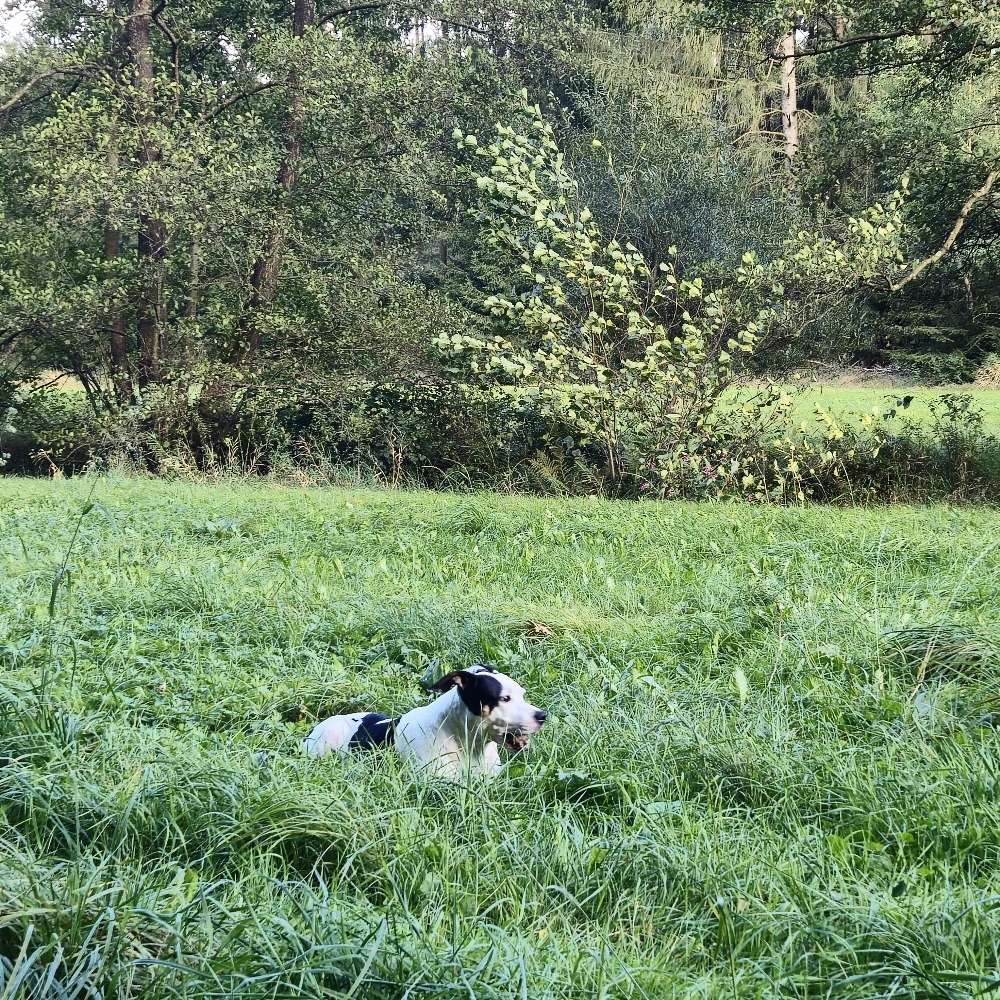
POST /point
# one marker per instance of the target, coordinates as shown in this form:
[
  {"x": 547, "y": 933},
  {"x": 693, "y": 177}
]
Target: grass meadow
[
  {"x": 850, "y": 401},
  {"x": 771, "y": 767}
]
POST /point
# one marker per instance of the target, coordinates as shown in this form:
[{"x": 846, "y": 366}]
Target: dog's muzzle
[{"x": 516, "y": 740}]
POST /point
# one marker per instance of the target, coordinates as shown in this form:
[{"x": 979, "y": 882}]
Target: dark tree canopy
[{"x": 259, "y": 207}]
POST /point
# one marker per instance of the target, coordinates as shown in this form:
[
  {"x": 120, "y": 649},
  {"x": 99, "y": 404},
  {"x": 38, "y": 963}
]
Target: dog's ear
[
  {"x": 479, "y": 691},
  {"x": 456, "y": 678}
]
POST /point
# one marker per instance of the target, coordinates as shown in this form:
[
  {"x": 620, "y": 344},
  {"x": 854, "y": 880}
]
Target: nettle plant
[{"x": 629, "y": 364}]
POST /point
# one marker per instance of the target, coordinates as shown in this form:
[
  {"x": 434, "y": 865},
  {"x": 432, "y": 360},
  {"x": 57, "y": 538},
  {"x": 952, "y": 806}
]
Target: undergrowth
[{"x": 788, "y": 447}]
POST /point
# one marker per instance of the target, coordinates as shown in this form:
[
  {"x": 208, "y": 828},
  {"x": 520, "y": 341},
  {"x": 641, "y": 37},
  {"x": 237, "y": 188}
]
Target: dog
[{"x": 456, "y": 736}]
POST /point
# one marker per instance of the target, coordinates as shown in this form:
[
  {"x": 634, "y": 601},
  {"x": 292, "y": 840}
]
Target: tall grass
[{"x": 771, "y": 768}]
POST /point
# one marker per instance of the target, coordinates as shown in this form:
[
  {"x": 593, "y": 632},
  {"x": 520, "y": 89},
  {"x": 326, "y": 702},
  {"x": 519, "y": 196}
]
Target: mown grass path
[{"x": 771, "y": 768}]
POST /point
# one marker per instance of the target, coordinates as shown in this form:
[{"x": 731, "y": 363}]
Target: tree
[
  {"x": 152, "y": 236},
  {"x": 182, "y": 180},
  {"x": 626, "y": 359},
  {"x": 266, "y": 268},
  {"x": 789, "y": 96},
  {"x": 894, "y": 88}
]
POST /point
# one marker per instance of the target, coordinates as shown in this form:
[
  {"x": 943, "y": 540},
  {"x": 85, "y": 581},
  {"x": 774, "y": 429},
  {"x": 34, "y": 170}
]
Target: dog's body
[{"x": 456, "y": 736}]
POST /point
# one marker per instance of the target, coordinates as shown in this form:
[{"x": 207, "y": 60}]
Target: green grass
[
  {"x": 851, "y": 401},
  {"x": 771, "y": 768}
]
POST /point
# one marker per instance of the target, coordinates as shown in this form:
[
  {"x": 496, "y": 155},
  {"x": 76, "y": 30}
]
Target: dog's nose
[{"x": 541, "y": 716}]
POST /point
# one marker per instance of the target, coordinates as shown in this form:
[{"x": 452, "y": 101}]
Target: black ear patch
[
  {"x": 373, "y": 731},
  {"x": 477, "y": 687},
  {"x": 446, "y": 683},
  {"x": 460, "y": 677},
  {"x": 480, "y": 692}
]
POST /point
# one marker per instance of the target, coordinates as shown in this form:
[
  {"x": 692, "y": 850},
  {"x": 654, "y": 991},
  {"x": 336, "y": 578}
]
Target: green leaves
[
  {"x": 634, "y": 361},
  {"x": 741, "y": 684}
]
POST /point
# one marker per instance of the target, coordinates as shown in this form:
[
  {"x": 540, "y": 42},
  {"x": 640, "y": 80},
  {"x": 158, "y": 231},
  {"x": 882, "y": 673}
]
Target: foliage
[
  {"x": 889, "y": 87},
  {"x": 361, "y": 216},
  {"x": 690, "y": 165},
  {"x": 7, "y": 427},
  {"x": 240, "y": 228},
  {"x": 50, "y": 428},
  {"x": 989, "y": 373},
  {"x": 884, "y": 454},
  {"x": 627, "y": 359}
]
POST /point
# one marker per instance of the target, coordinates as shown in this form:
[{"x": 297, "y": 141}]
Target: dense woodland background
[{"x": 259, "y": 231}]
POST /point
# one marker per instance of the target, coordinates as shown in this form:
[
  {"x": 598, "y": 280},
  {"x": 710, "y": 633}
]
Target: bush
[
  {"x": 625, "y": 364},
  {"x": 952, "y": 456},
  {"x": 50, "y": 429},
  {"x": 422, "y": 429},
  {"x": 934, "y": 369},
  {"x": 219, "y": 419},
  {"x": 8, "y": 412},
  {"x": 934, "y": 345},
  {"x": 989, "y": 372}
]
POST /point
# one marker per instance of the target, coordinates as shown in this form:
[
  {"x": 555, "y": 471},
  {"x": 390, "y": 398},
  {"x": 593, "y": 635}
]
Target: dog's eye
[{"x": 505, "y": 697}]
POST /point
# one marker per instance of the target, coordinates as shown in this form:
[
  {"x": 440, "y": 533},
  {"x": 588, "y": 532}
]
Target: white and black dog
[{"x": 456, "y": 736}]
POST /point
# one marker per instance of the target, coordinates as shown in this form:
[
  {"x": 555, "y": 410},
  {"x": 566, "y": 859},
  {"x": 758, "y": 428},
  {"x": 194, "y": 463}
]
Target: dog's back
[{"x": 344, "y": 733}]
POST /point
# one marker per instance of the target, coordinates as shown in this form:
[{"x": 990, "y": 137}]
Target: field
[
  {"x": 771, "y": 767},
  {"x": 853, "y": 399}
]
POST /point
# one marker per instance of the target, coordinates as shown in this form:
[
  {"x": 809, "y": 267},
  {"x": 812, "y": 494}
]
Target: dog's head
[{"x": 498, "y": 700}]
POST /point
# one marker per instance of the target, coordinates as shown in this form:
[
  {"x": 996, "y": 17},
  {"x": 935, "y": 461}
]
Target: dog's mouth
[{"x": 514, "y": 742}]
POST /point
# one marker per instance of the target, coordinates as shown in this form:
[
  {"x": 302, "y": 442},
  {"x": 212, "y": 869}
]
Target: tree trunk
[
  {"x": 152, "y": 231},
  {"x": 194, "y": 281},
  {"x": 152, "y": 244},
  {"x": 267, "y": 266},
  {"x": 114, "y": 316},
  {"x": 789, "y": 98},
  {"x": 116, "y": 324}
]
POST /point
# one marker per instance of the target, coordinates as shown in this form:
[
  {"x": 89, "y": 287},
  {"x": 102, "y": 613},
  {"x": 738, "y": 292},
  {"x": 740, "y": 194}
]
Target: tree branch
[
  {"x": 175, "y": 48},
  {"x": 25, "y": 88},
  {"x": 875, "y": 36},
  {"x": 236, "y": 98},
  {"x": 473, "y": 29},
  {"x": 352, "y": 9},
  {"x": 974, "y": 199},
  {"x": 78, "y": 71}
]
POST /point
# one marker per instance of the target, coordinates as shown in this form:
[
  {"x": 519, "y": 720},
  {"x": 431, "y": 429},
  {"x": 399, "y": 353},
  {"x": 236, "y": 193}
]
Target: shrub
[
  {"x": 7, "y": 427},
  {"x": 951, "y": 456},
  {"x": 989, "y": 372},
  {"x": 49, "y": 429},
  {"x": 422, "y": 427},
  {"x": 624, "y": 362},
  {"x": 934, "y": 369},
  {"x": 220, "y": 419}
]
